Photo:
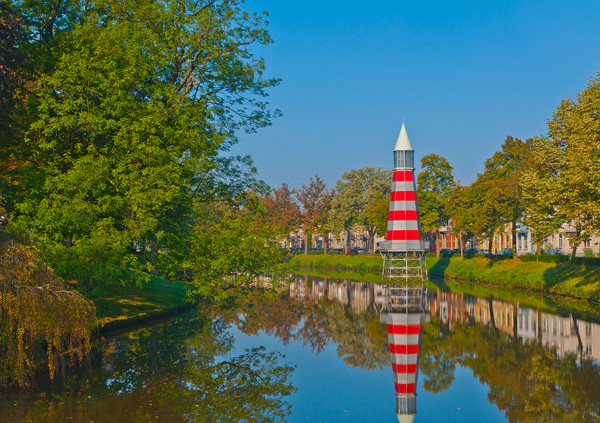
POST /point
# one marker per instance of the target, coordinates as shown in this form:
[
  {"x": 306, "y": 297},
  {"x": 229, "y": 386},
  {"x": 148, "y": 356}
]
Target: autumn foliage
[{"x": 37, "y": 310}]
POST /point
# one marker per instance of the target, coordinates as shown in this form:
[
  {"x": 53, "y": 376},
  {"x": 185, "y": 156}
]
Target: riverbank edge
[
  {"x": 577, "y": 282},
  {"x": 113, "y": 327}
]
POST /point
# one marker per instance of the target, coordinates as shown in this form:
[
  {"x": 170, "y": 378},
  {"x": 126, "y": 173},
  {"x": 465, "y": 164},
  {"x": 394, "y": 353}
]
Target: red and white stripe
[
  {"x": 404, "y": 337},
  {"x": 404, "y": 223}
]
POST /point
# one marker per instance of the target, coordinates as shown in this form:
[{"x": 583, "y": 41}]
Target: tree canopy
[
  {"x": 131, "y": 109},
  {"x": 315, "y": 199},
  {"x": 563, "y": 186},
  {"x": 282, "y": 210},
  {"x": 353, "y": 193},
  {"x": 434, "y": 186}
]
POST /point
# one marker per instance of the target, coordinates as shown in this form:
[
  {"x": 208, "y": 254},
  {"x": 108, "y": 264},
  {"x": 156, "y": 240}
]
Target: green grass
[
  {"x": 356, "y": 262},
  {"x": 129, "y": 302},
  {"x": 561, "y": 279}
]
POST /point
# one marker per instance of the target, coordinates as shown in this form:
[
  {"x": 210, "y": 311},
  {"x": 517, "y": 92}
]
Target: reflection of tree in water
[
  {"x": 527, "y": 381},
  {"x": 437, "y": 364},
  {"x": 281, "y": 317},
  {"x": 182, "y": 370},
  {"x": 361, "y": 339}
]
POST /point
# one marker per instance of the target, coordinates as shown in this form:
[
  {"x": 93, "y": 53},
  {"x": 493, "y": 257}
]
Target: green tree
[
  {"x": 283, "y": 212},
  {"x": 434, "y": 186},
  {"x": 485, "y": 213},
  {"x": 540, "y": 214},
  {"x": 12, "y": 63},
  {"x": 315, "y": 199},
  {"x": 228, "y": 248},
  {"x": 570, "y": 157},
  {"x": 131, "y": 122},
  {"x": 501, "y": 177},
  {"x": 353, "y": 193},
  {"x": 461, "y": 208},
  {"x": 377, "y": 212}
]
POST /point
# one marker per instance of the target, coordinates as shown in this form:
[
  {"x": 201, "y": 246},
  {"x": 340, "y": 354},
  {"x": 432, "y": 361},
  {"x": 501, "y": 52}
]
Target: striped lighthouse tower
[
  {"x": 404, "y": 319},
  {"x": 404, "y": 250}
]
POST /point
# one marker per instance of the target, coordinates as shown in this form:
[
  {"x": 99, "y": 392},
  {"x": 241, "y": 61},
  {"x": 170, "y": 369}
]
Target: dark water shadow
[{"x": 440, "y": 283}]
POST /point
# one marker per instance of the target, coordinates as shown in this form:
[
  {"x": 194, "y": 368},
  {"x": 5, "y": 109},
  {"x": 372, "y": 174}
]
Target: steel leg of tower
[{"x": 404, "y": 265}]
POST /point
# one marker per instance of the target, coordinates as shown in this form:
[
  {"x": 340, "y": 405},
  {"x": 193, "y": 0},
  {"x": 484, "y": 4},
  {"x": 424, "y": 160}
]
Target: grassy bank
[
  {"x": 563, "y": 279},
  {"x": 133, "y": 303}
]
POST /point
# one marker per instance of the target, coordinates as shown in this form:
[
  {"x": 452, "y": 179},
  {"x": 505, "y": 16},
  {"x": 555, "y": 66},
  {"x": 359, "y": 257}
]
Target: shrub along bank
[{"x": 581, "y": 281}]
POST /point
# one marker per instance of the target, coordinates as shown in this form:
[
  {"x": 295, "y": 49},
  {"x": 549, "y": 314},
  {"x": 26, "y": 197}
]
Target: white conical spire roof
[
  {"x": 403, "y": 142},
  {"x": 406, "y": 418}
]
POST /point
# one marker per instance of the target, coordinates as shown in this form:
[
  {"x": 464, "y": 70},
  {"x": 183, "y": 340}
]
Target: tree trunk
[
  {"x": 514, "y": 238},
  {"x": 461, "y": 244},
  {"x": 372, "y": 233},
  {"x": 347, "y": 241},
  {"x": 438, "y": 245},
  {"x": 574, "y": 246},
  {"x": 579, "y": 342},
  {"x": 325, "y": 242},
  {"x": 306, "y": 237},
  {"x": 515, "y": 319},
  {"x": 491, "y": 245},
  {"x": 491, "y": 309},
  {"x": 539, "y": 328},
  {"x": 538, "y": 253}
]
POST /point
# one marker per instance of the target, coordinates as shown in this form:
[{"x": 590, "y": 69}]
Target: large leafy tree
[
  {"x": 485, "y": 211},
  {"x": 569, "y": 155},
  {"x": 12, "y": 64},
  {"x": 462, "y": 209},
  {"x": 228, "y": 248},
  {"x": 501, "y": 177},
  {"x": 282, "y": 210},
  {"x": 540, "y": 214},
  {"x": 129, "y": 126},
  {"x": 377, "y": 212},
  {"x": 353, "y": 193},
  {"x": 434, "y": 186},
  {"x": 315, "y": 199}
]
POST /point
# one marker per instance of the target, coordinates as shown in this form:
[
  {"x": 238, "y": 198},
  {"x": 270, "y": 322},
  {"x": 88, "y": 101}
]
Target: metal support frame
[
  {"x": 409, "y": 298},
  {"x": 408, "y": 265}
]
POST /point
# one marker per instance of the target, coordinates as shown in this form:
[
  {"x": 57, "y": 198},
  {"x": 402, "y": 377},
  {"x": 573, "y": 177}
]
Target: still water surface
[{"x": 325, "y": 351}]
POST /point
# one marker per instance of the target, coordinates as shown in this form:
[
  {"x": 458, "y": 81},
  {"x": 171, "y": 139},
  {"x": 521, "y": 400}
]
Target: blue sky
[{"x": 462, "y": 74}]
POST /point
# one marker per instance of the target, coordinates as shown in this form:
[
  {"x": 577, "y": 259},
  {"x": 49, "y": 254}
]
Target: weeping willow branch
[{"x": 37, "y": 312}]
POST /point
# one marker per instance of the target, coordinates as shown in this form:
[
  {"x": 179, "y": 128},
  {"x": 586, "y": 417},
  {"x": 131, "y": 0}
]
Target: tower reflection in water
[{"x": 404, "y": 315}]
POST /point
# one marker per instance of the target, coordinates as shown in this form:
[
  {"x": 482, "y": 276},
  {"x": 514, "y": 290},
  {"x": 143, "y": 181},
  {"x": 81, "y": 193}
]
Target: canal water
[{"x": 335, "y": 350}]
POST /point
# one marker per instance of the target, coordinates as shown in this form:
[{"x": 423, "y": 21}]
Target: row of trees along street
[
  {"x": 360, "y": 201},
  {"x": 543, "y": 182}
]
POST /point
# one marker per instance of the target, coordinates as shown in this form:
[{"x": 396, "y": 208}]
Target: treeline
[
  {"x": 543, "y": 182},
  {"x": 359, "y": 202}
]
